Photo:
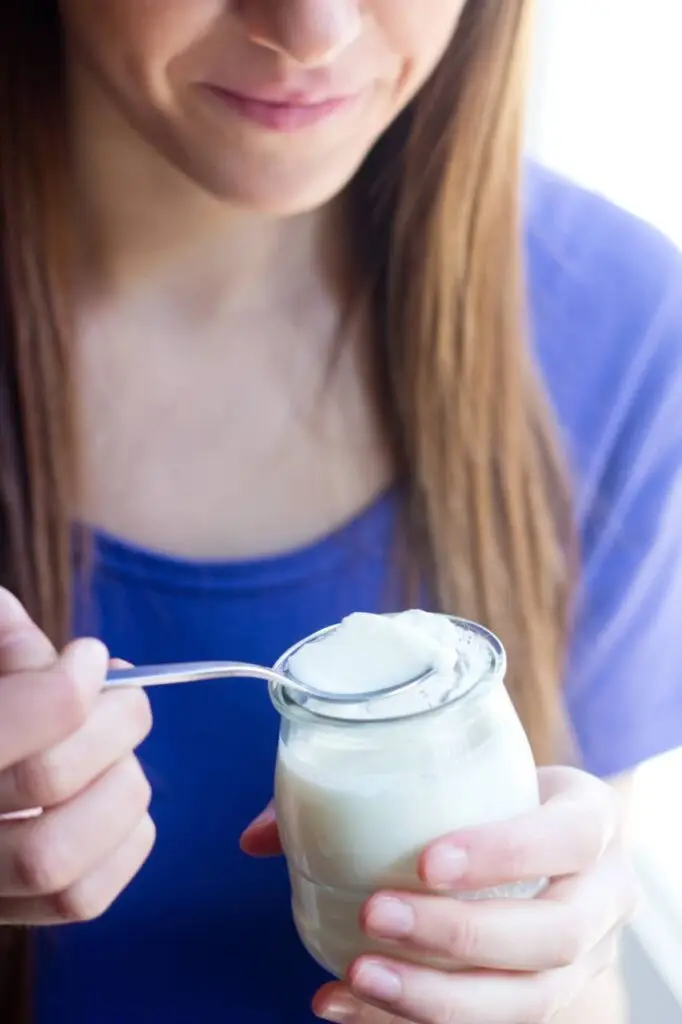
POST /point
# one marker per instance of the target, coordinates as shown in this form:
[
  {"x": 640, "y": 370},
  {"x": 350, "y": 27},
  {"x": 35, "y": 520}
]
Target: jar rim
[{"x": 289, "y": 706}]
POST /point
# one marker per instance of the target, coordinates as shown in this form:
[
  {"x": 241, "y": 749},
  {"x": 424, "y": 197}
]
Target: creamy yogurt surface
[{"x": 368, "y": 653}]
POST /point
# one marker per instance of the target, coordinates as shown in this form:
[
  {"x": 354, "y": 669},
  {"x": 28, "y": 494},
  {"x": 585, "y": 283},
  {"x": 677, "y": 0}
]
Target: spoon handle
[
  {"x": 188, "y": 672},
  {"x": 194, "y": 672}
]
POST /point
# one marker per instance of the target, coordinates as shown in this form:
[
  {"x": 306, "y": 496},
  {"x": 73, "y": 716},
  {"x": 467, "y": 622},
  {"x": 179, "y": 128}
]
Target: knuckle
[
  {"x": 134, "y": 784},
  {"x": 546, "y": 1002},
  {"x": 512, "y": 857},
  {"x": 81, "y": 903},
  {"x": 608, "y": 814},
  {"x": 42, "y": 781},
  {"x": 569, "y": 943},
  {"x": 140, "y": 714},
  {"x": 596, "y": 838},
  {"x": 462, "y": 939},
  {"x": 91, "y": 898},
  {"x": 147, "y": 837},
  {"x": 145, "y": 841},
  {"x": 139, "y": 846},
  {"x": 71, "y": 704},
  {"x": 451, "y": 1013},
  {"x": 41, "y": 865}
]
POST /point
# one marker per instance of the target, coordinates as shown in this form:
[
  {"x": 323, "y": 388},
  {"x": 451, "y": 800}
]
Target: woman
[{"x": 269, "y": 356}]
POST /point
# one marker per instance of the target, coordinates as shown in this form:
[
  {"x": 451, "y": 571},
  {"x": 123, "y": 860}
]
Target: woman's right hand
[{"x": 67, "y": 748}]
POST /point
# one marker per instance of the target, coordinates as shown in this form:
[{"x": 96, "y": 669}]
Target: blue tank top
[{"x": 204, "y": 934}]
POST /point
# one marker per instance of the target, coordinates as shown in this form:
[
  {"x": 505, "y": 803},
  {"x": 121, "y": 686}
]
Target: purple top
[
  {"x": 204, "y": 933},
  {"x": 606, "y": 298}
]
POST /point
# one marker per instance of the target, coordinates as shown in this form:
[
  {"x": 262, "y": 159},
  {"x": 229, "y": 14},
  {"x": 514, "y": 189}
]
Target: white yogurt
[
  {"x": 361, "y": 790},
  {"x": 368, "y": 652}
]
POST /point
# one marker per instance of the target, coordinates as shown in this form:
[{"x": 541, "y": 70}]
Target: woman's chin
[
  {"x": 281, "y": 198},
  {"x": 277, "y": 188}
]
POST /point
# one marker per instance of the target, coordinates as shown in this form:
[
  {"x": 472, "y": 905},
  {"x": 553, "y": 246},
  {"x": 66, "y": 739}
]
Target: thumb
[{"x": 261, "y": 837}]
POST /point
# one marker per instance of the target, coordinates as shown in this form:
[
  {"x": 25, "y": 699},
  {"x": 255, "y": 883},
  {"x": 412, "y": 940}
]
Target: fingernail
[
  {"x": 120, "y": 663},
  {"x": 444, "y": 865},
  {"x": 389, "y": 918},
  {"x": 340, "y": 1010},
  {"x": 375, "y": 981},
  {"x": 85, "y": 660}
]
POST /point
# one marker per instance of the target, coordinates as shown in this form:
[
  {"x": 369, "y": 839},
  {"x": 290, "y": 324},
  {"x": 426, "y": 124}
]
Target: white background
[{"x": 607, "y": 100}]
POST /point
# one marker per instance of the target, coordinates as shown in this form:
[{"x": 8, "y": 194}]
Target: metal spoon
[{"x": 194, "y": 672}]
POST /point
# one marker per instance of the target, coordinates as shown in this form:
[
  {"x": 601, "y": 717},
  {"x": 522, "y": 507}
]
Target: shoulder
[
  {"x": 605, "y": 298},
  {"x": 596, "y": 252}
]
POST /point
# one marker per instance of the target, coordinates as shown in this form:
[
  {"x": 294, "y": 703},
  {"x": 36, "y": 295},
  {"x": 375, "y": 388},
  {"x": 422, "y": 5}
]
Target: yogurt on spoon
[{"x": 380, "y": 650}]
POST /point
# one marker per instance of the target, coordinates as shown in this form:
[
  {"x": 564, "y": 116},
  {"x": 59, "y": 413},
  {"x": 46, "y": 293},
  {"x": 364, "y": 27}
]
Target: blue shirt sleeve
[{"x": 624, "y": 687}]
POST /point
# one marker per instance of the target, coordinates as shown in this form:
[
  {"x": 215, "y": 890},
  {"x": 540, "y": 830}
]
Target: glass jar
[{"x": 359, "y": 798}]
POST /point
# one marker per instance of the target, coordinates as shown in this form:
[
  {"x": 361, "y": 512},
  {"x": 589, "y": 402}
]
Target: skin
[
  {"x": 155, "y": 58},
  {"x": 560, "y": 947},
  {"x": 205, "y": 292},
  {"x": 69, "y": 749}
]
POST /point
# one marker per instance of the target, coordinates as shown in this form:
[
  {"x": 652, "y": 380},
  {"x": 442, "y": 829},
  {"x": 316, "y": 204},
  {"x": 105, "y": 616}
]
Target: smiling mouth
[{"x": 288, "y": 115}]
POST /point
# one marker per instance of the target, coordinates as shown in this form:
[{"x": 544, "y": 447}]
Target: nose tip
[{"x": 311, "y": 33}]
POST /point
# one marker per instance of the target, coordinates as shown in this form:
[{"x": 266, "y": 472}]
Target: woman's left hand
[{"x": 520, "y": 960}]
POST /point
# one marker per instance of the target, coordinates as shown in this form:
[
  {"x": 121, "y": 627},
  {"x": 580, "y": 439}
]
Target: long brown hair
[
  {"x": 438, "y": 209},
  {"x": 437, "y": 214}
]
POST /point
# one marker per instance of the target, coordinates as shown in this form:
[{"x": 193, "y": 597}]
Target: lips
[{"x": 280, "y": 110}]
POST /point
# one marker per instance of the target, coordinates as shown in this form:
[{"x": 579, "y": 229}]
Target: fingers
[
  {"x": 525, "y": 960},
  {"x": 48, "y": 855},
  {"x": 66, "y": 749},
  {"x": 23, "y": 646},
  {"x": 261, "y": 837},
  {"x": 42, "y": 707},
  {"x": 430, "y": 997},
  {"x": 570, "y": 831},
  {"x": 120, "y": 720},
  {"x": 335, "y": 1002},
  {"x": 92, "y": 895},
  {"x": 556, "y": 930}
]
